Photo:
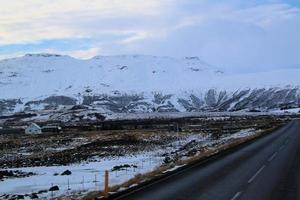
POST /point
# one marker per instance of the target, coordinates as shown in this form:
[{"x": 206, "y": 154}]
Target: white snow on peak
[{"x": 39, "y": 75}]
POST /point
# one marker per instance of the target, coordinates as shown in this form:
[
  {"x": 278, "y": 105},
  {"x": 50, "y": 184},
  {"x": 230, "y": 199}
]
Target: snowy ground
[
  {"x": 85, "y": 176},
  {"x": 89, "y": 176}
]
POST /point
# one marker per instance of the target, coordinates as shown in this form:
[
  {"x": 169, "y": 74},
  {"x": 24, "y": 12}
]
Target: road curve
[{"x": 268, "y": 168}]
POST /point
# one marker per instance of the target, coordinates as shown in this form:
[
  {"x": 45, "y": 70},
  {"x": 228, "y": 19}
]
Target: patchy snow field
[
  {"x": 89, "y": 176},
  {"x": 85, "y": 177}
]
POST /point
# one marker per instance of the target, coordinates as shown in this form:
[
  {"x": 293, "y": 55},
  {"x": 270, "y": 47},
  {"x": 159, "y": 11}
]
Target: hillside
[{"x": 139, "y": 83}]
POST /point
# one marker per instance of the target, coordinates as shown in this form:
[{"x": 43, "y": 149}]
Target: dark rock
[
  {"x": 123, "y": 67},
  {"x": 54, "y": 188},
  {"x": 34, "y": 196},
  {"x": 254, "y": 110},
  {"x": 6, "y": 173},
  {"x": 66, "y": 173},
  {"x": 30, "y": 174},
  {"x": 192, "y": 152},
  {"x": 78, "y": 107},
  {"x": 120, "y": 167},
  {"x": 42, "y": 191},
  {"x": 99, "y": 116},
  {"x": 20, "y": 196},
  {"x": 167, "y": 160},
  {"x": 16, "y": 174}
]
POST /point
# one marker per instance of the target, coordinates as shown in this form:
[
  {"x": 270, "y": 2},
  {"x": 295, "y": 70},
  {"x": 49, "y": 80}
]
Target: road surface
[{"x": 268, "y": 168}]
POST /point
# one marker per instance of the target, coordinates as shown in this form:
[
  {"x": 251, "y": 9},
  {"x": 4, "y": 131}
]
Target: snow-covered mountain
[{"x": 139, "y": 83}]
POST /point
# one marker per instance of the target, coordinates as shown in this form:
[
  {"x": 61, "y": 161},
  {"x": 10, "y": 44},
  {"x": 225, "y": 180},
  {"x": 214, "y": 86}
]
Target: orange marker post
[{"x": 106, "y": 189}]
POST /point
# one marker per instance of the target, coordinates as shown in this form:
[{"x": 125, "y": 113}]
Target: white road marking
[
  {"x": 236, "y": 195},
  {"x": 254, "y": 176},
  {"x": 272, "y": 157}
]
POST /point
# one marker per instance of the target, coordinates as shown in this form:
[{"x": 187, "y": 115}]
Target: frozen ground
[
  {"x": 89, "y": 176},
  {"x": 85, "y": 176}
]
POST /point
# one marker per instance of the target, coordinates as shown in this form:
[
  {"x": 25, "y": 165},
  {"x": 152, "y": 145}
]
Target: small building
[
  {"x": 33, "y": 128},
  {"x": 52, "y": 128}
]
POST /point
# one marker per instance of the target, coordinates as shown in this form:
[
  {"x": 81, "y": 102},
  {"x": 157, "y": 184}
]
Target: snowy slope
[
  {"x": 130, "y": 83},
  {"x": 44, "y": 74}
]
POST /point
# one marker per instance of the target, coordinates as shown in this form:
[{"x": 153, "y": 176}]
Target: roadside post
[{"x": 106, "y": 189}]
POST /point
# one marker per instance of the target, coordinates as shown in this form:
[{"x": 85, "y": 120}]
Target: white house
[{"x": 33, "y": 129}]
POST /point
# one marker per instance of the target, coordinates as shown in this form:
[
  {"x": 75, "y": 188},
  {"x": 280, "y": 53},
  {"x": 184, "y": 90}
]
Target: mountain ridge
[{"x": 139, "y": 83}]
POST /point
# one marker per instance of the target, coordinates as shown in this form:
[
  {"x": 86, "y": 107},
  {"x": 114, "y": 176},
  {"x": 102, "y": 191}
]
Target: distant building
[
  {"x": 52, "y": 128},
  {"x": 33, "y": 128}
]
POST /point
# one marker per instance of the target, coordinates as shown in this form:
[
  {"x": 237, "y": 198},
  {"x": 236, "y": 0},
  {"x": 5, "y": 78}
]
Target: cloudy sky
[{"x": 237, "y": 35}]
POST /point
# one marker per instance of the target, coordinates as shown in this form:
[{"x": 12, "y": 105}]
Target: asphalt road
[{"x": 268, "y": 168}]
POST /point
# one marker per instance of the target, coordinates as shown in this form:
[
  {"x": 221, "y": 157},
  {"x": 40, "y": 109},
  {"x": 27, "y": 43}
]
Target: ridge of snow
[{"x": 40, "y": 75}]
